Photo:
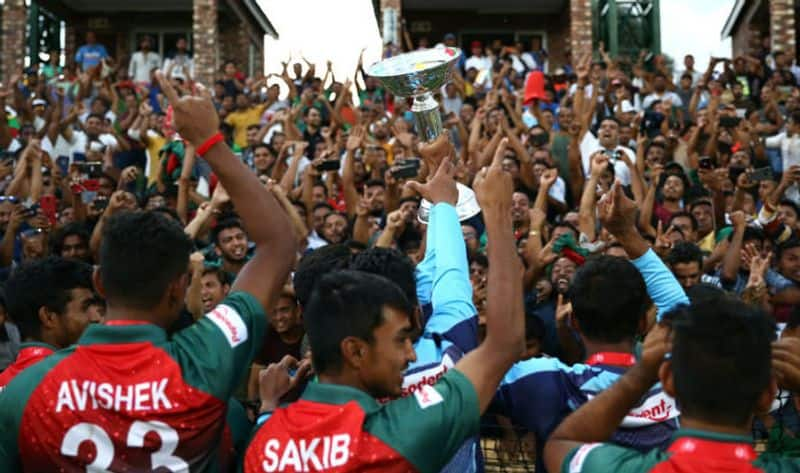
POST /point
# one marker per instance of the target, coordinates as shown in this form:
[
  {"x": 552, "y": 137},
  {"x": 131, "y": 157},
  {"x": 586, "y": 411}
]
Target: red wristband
[{"x": 203, "y": 148}]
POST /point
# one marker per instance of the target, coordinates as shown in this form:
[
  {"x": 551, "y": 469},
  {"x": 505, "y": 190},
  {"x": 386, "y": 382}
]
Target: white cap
[{"x": 627, "y": 107}]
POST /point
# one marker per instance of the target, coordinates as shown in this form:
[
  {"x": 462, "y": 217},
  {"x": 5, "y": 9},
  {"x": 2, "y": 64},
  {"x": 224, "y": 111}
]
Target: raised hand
[
  {"x": 548, "y": 178},
  {"x": 356, "y": 139},
  {"x": 434, "y": 152},
  {"x": 196, "y": 261},
  {"x": 195, "y": 118},
  {"x": 616, "y": 211},
  {"x": 493, "y": 186},
  {"x": 276, "y": 380},
  {"x": 441, "y": 188}
]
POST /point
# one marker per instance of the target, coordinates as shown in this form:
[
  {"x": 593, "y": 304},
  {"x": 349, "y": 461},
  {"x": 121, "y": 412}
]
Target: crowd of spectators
[{"x": 711, "y": 160}]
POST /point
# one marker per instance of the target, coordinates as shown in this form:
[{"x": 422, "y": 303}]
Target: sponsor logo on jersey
[
  {"x": 657, "y": 408},
  {"x": 576, "y": 464},
  {"x": 428, "y": 376},
  {"x": 230, "y": 323},
  {"x": 314, "y": 454},
  {"x": 428, "y": 396}
]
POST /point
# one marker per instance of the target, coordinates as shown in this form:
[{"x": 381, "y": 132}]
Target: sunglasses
[{"x": 9, "y": 198}]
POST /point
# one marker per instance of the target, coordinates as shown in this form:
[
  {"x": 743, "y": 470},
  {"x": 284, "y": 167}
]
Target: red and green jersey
[
  {"x": 341, "y": 429},
  {"x": 127, "y": 398},
  {"x": 690, "y": 451},
  {"x": 29, "y": 354}
]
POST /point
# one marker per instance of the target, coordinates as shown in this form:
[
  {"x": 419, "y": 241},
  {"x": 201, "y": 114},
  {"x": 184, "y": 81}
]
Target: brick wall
[
  {"x": 782, "y": 23},
  {"x": 580, "y": 12},
  {"x": 13, "y": 40},
  {"x": 205, "y": 40}
]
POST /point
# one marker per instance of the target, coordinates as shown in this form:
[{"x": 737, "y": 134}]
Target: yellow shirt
[
  {"x": 154, "y": 144},
  {"x": 240, "y": 120}
]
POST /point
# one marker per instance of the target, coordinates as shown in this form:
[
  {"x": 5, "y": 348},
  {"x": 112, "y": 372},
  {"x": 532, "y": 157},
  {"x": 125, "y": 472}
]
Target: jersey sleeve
[
  {"x": 605, "y": 457},
  {"x": 663, "y": 288},
  {"x": 216, "y": 351},
  {"x": 423, "y": 273},
  {"x": 428, "y": 427},
  {"x": 454, "y": 315}
]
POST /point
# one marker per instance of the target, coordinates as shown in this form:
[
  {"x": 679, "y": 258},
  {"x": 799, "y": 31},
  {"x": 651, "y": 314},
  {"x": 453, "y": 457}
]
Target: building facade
[
  {"x": 217, "y": 30},
  {"x": 756, "y": 25},
  {"x": 561, "y": 27}
]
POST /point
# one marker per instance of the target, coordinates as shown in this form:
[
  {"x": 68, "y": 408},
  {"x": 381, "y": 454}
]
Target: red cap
[{"x": 475, "y": 44}]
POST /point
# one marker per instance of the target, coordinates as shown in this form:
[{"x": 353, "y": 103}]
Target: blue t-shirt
[{"x": 90, "y": 55}]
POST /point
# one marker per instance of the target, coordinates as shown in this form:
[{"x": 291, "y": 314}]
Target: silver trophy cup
[{"x": 418, "y": 74}]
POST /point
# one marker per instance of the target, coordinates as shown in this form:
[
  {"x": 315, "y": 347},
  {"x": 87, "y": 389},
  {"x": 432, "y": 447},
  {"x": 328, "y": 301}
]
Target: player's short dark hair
[
  {"x": 703, "y": 291},
  {"x": 569, "y": 226},
  {"x": 347, "y": 304},
  {"x": 225, "y": 224},
  {"x": 480, "y": 259},
  {"x": 71, "y": 229},
  {"x": 169, "y": 212},
  {"x": 792, "y": 242},
  {"x": 685, "y": 214},
  {"x": 390, "y": 263},
  {"x": 322, "y": 205},
  {"x": 685, "y": 252},
  {"x": 750, "y": 234},
  {"x": 720, "y": 345},
  {"x": 375, "y": 183},
  {"x": 316, "y": 264},
  {"x": 602, "y": 318},
  {"x": 97, "y": 115},
  {"x": 43, "y": 283},
  {"x": 221, "y": 275},
  {"x": 141, "y": 254}
]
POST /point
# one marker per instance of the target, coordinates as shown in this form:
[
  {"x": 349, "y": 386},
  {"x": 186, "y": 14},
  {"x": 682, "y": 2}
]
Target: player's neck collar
[
  {"x": 328, "y": 393},
  {"x": 122, "y": 332}
]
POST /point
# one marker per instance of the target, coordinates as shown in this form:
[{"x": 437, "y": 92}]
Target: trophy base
[{"x": 466, "y": 207}]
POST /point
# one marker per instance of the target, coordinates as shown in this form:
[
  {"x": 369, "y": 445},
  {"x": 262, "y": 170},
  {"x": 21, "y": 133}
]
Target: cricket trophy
[{"x": 419, "y": 74}]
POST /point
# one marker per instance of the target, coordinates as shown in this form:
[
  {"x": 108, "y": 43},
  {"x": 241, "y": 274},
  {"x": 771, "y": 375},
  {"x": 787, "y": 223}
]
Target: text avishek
[{"x": 88, "y": 395}]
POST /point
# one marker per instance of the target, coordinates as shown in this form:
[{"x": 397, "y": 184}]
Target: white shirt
[
  {"x": 558, "y": 190},
  {"x": 696, "y": 75},
  {"x": 667, "y": 95},
  {"x": 590, "y": 145},
  {"x": 141, "y": 65},
  {"x": 790, "y": 154},
  {"x": 182, "y": 65},
  {"x": 110, "y": 116},
  {"x": 79, "y": 144},
  {"x": 480, "y": 63}
]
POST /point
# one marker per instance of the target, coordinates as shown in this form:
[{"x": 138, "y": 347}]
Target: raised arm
[
  {"x": 453, "y": 315},
  {"x": 505, "y": 323},
  {"x": 618, "y": 214},
  {"x": 264, "y": 275}
]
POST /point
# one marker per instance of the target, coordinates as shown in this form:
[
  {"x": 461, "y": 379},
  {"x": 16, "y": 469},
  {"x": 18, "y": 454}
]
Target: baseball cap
[
  {"x": 39, "y": 102},
  {"x": 475, "y": 44},
  {"x": 449, "y": 37}
]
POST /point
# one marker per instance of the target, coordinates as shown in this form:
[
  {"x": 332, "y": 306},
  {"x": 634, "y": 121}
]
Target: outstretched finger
[
  {"x": 500, "y": 153},
  {"x": 659, "y": 229},
  {"x": 167, "y": 88}
]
